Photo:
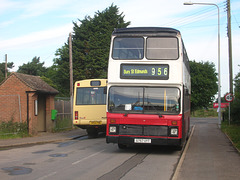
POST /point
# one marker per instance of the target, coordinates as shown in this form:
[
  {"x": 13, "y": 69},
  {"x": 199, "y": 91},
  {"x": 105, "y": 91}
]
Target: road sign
[
  {"x": 229, "y": 97},
  {"x": 223, "y": 105}
]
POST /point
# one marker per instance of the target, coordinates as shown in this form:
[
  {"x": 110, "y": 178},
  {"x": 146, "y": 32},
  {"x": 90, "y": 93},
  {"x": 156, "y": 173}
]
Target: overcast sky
[{"x": 32, "y": 28}]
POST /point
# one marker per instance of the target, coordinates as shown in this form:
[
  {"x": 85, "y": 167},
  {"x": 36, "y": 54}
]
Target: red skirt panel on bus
[{"x": 145, "y": 120}]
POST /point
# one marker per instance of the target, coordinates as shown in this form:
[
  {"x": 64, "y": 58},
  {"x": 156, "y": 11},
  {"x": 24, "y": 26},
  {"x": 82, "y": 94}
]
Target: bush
[
  {"x": 62, "y": 124},
  {"x": 204, "y": 113},
  {"x": 12, "y": 129},
  {"x": 235, "y": 112}
]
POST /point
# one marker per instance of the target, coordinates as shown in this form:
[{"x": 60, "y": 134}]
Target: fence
[
  {"x": 10, "y": 115},
  {"x": 64, "y": 115}
]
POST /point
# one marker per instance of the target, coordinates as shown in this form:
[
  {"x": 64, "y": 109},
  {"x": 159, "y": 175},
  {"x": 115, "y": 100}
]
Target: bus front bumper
[{"x": 126, "y": 140}]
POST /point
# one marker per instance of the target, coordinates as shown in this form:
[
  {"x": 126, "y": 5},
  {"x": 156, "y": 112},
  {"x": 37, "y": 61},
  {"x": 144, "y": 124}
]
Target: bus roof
[{"x": 146, "y": 30}]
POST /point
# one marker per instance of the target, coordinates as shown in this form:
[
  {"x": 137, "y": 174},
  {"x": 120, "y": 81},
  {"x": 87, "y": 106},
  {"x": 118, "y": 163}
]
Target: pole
[
  {"x": 71, "y": 75},
  {"x": 229, "y": 32},
  {"x": 219, "y": 74},
  {"x": 5, "y": 65},
  {"x": 229, "y": 114},
  {"x": 27, "y": 112}
]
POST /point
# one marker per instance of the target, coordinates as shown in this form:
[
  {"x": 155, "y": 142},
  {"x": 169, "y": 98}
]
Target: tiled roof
[{"x": 36, "y": 83}]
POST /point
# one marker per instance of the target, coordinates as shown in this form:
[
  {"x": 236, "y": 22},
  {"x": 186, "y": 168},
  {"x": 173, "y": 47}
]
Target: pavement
[
  {"x": 43, "y": 137},
  {"x": 209, "y": 154}
]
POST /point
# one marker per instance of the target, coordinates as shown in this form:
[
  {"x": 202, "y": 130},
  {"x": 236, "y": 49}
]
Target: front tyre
[{"x": 122, "y": 146}]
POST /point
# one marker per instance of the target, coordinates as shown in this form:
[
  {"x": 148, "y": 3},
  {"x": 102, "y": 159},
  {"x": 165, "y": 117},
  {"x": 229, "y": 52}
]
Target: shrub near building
[
  {"x": 12, "y": 129},
  {"x": 233, "y": 130}
]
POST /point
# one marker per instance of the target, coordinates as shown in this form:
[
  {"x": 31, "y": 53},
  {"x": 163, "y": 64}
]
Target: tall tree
[
  {"x": 235, "y": 104},
  {"x": 237, "y": 86},
  {"x": 10, "y": 65},
  {"x": 35, "y": 67},
  {"x": 235, "y": 113},
  {"x": 91, "y": 43},
  {"x": 203, "y": 84}
]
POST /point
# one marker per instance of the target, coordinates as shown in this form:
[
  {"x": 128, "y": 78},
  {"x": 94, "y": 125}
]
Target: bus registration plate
[
  {"x": 95, "y": 122},
  {"x": 144, "y": 141}
]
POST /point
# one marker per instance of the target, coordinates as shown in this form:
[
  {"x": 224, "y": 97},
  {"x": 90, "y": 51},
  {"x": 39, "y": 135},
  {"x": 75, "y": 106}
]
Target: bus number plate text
[
  {"x": 95, "y": 122},
  {"x": 144, "y": 141}
]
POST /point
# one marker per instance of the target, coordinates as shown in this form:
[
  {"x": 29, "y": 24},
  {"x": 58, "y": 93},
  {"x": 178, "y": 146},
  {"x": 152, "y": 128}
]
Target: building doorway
[{"x": 41, "y": 113}]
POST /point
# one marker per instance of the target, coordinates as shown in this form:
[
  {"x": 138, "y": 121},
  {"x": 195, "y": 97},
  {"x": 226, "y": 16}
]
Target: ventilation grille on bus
[{"x": 142, "y": 130}]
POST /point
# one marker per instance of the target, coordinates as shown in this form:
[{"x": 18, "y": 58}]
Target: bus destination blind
[{"x": 144, "y": 71}]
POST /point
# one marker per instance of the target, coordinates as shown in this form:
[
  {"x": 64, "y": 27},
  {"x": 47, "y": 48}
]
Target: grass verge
[
  {"x": 10, "y": 130},
  {"x": 13, "y": 135},
  {"x": 233, "y": 132},
  {"x": 204, "y": 113}
]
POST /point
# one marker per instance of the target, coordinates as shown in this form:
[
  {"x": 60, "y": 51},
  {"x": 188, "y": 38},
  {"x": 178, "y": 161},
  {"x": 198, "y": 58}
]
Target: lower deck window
[{"x": 144, "y": 100}]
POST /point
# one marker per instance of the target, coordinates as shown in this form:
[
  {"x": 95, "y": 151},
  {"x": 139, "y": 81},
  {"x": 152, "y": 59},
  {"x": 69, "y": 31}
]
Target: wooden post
[
  {"x": 71, "y": 75},
  {"x": 229, "y": 32},
  {"x": 5, "y": 65}
]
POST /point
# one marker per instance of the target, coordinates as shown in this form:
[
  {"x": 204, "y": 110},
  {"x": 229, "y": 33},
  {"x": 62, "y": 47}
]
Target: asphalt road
[
  {"x": 88, "y": 159},
  {"x": 208, "y": 155}
]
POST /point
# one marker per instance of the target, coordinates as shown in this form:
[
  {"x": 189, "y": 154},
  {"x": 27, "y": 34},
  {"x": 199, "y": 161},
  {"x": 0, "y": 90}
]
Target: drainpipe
[{"x": 27, "y": 92}]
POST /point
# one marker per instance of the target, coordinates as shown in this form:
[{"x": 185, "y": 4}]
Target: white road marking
[
  {"x": 44, "y": 177},
  {"x": 87, "y": 157}
]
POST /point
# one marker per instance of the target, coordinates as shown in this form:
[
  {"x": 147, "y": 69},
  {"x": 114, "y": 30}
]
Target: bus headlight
[
  {"x": 112, "y": 129},
  {"x": 174, "y": 131}
]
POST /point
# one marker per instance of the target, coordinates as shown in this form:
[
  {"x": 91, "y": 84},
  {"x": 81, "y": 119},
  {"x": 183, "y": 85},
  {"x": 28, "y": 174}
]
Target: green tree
[
  {"x": 203, "y": 84},
  {"x": 48, "y": 81},
  {"x": 10, "y": 65},
  {"x": 91, "y": 44},
  {"x": 237, "y": 86},
  {"x": 235, "y": 110},
  {"x": 33, "y": 68}
]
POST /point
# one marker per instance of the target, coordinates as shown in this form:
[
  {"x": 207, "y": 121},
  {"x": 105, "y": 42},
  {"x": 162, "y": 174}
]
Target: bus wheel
[
  {"x": 122, "y": 146},
  {"x": 179, "y": 147},
  {"x": 92, "y": 132}
]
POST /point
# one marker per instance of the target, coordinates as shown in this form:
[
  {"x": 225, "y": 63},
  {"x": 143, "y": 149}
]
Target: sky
[{"x": 30, "y": 28}]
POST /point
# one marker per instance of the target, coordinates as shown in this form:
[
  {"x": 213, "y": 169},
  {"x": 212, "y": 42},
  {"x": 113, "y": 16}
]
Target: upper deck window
[
  {"x": 128, "y": 48},
  {"x": 162, "y": 48}
]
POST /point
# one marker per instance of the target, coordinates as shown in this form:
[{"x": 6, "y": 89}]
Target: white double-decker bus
[{"x": 148, "y": 87}]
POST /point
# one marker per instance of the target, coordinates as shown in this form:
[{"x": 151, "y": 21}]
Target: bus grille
[{"x": 141, "y": 130}]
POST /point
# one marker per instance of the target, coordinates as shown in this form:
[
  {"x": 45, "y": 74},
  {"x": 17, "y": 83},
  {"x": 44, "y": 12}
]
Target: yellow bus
[{"x": 89, "y": 105}]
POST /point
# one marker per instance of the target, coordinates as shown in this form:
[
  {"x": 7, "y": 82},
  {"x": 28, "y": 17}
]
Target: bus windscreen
[
  {"x": 90, "y": 96},
  {"x": 144, "y": 100}
]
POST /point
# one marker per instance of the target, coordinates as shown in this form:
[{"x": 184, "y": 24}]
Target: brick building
[{"x": 26, "y": 98}]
